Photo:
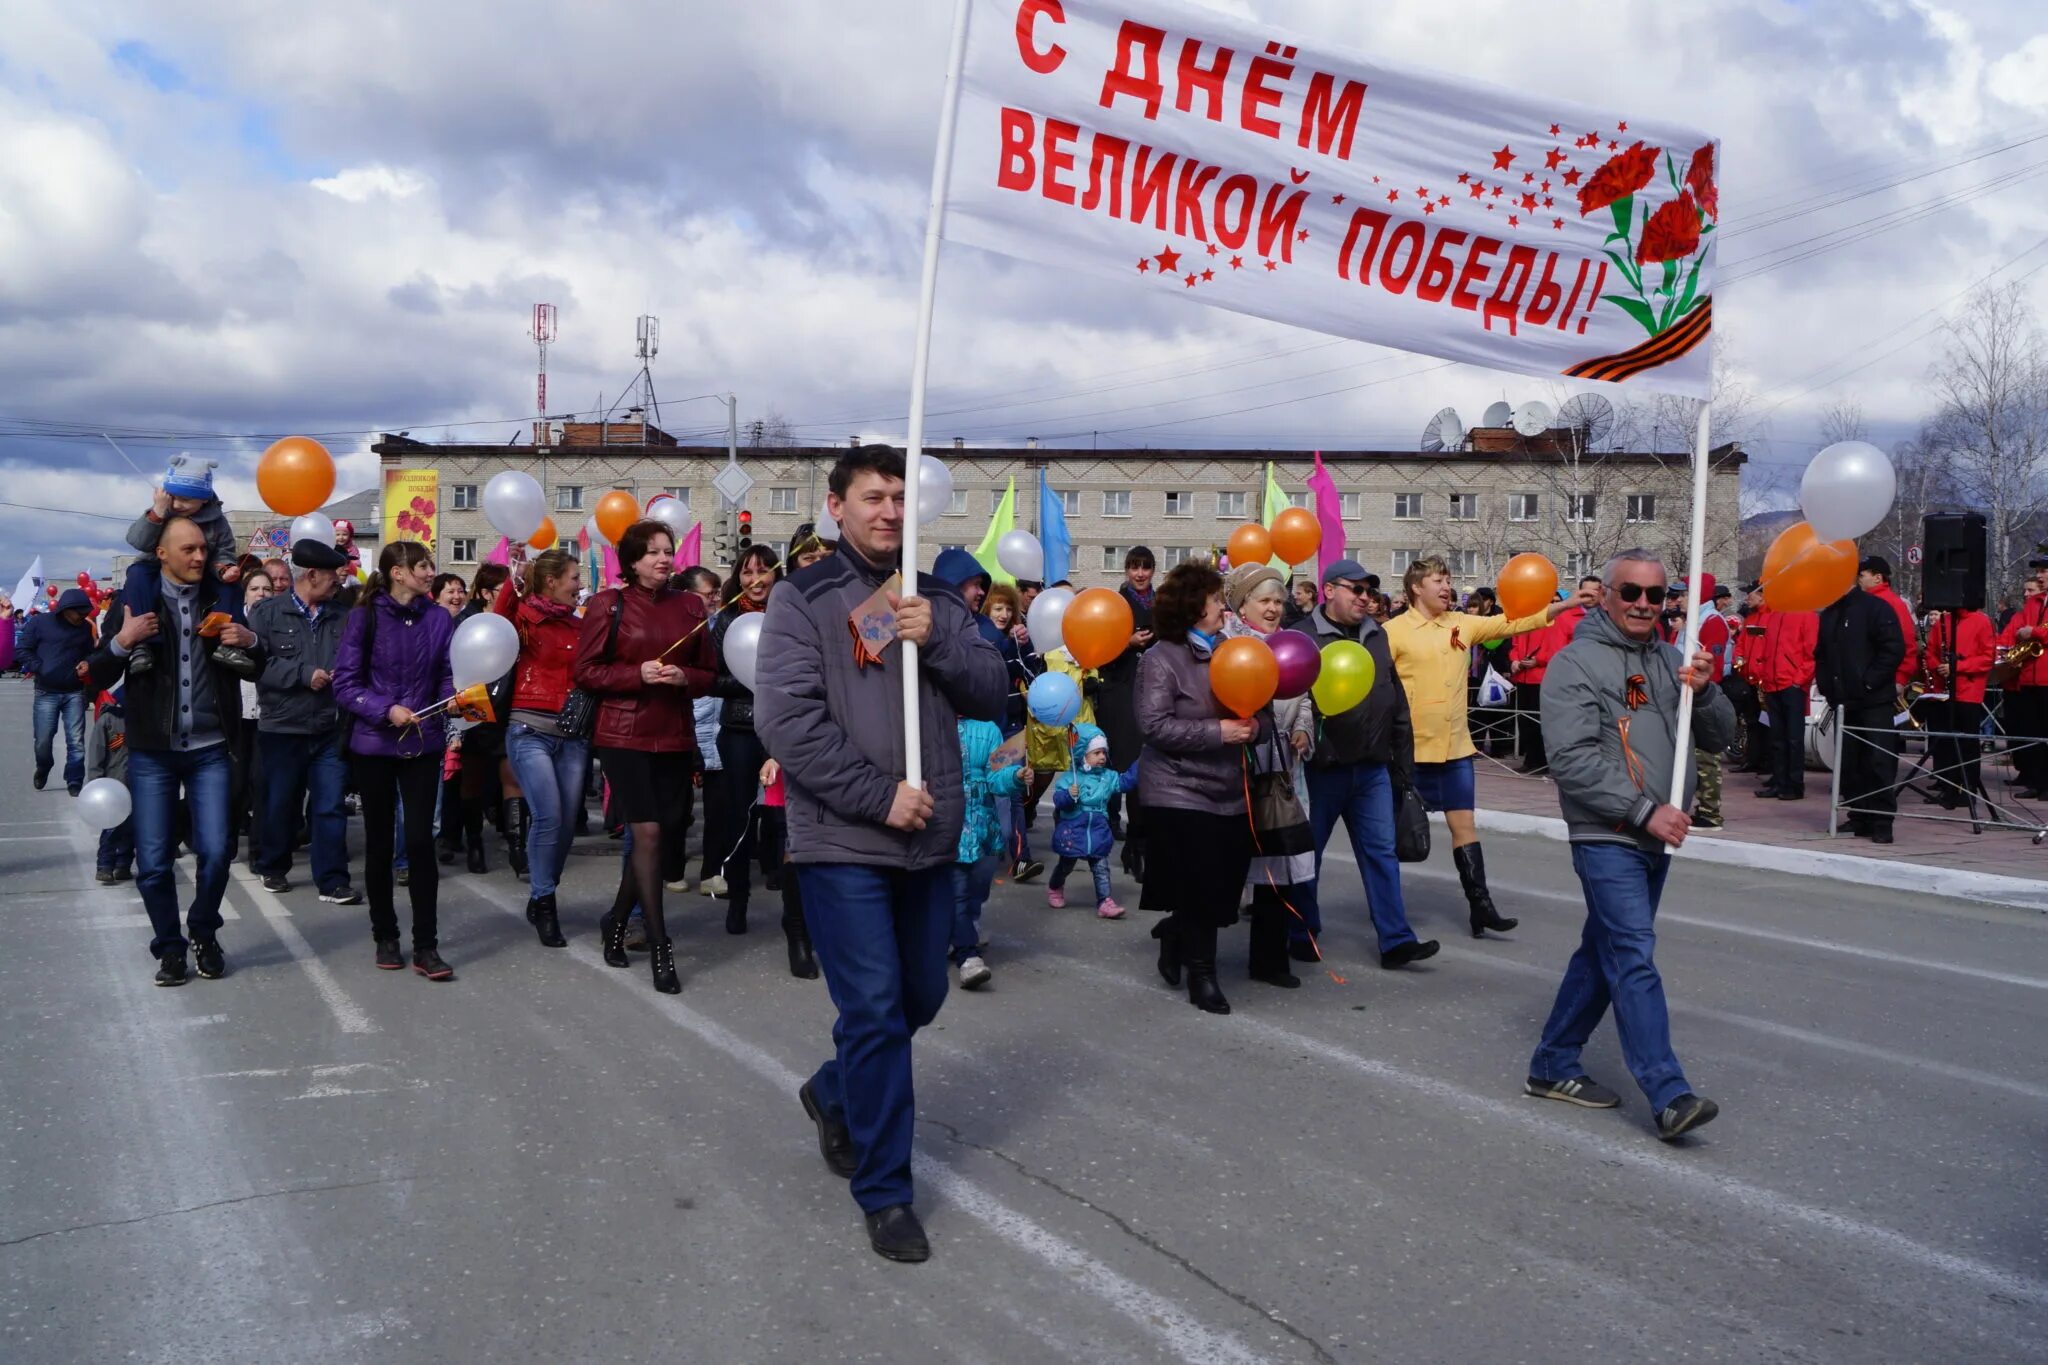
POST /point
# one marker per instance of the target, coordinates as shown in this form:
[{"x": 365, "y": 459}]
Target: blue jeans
[
  {"x": 550, "y": 771},
  {"x": 154, "y": 779},
  {"x": 880, "y": 935},
  {"x": 971, "y": 884},
  {"x": 1016, "y": 836},
  {"x": 117, "y": 847},
  {"x": 1362, "y": 795},
  {"x": 1614, "y": 966},
  {"x": 296, "y": 767},
  {"x": 71, "y": 706},
  {"x": 1098, "y": 868}
]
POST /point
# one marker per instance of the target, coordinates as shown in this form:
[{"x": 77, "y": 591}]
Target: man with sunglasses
[{"x": 1610, "y": 708}]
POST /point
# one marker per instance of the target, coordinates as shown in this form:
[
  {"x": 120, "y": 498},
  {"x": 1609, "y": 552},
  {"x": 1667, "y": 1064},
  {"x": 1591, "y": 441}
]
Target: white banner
[
  {"x": 28, "y": 593},
  {"x": 1193, "y": 152}
]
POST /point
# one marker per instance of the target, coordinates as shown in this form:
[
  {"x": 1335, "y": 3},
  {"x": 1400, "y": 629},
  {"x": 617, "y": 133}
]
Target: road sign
[
  {"x": 1912, "y": 554},
  {"x": 733, "y": 484}
]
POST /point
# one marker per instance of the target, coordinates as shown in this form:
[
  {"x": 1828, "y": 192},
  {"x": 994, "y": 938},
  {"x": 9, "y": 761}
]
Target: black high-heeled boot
[
  {"x": 611, "y": 929},
  {"x": 736, "y": 917},
  {"x": 1169, "y": 952},
  {"x": 662, "y": 957},
  {"x": 516, "y": 822},
  {"x": 540, "y": 912},
  {"x": 1471, "y": 863},
  {"x": 1203, "y": 992},
  {"x": 803, "y": 963}
]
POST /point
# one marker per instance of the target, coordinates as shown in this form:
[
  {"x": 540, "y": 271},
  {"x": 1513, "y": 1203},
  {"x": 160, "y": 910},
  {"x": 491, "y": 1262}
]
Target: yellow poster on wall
[{"x": 412, "y": 500}]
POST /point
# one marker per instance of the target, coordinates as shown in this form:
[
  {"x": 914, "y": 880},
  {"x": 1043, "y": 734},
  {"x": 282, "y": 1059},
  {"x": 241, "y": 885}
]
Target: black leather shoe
[
  {"x": 1169, "y": 958},
  {"x": 611, "y": 930},
  {"x": 1409, "y": 952},
  {"x": 1880, "y": 834},
  {"x": 803, "y": 963},
  {"x": 1280, "y": 977},
  {"x": 540, "y": 912},
  {"x": 835, "y": 1139},
  {"x": 735, "y": 917},
  {"x": 896, "y": 1234},
  {"x": 661, "y": 960},
  {"x": 476, "y": 857},
  {"x": 41, "y": 778},
  {"x": 1302, "y": 952},
  {"x": 1203, "y": 992},
  {"x": 170, "y": 968},
  {"x": 428, "y": 963},
  {"x": 389, "y": 958},
  {"x": 209, "y": 960},
  {"x": 1799, "y": 795}
]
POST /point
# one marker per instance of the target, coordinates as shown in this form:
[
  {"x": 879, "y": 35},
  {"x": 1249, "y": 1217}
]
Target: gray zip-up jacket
[
  {"x": 837, "y": 727},
  {"x": 291, "y": 648},
  {"x": 1612, "y": 761}
]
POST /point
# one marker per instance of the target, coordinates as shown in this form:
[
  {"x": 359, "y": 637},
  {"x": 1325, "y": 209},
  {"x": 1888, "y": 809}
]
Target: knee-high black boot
[
  {"x": 803, "y": 963},
  {"x": 516, "y": 822},
  {"x": 1269, "y": 941},
  {"x": 1198, "y": 955},
  {"x": 1472, "y": 872},
  {"x": 1168, "y": 934}
]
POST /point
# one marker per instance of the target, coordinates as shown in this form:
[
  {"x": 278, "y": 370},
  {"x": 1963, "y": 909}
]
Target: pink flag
[
  {"x": 612, "y": 573},
  {"x": 1330, "y": 516},
  {"x": 502, "y": 554},
  {"x": 692, "y": 549}
]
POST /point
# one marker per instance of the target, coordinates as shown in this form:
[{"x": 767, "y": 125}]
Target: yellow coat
[
  {"x": 1433, "y": 660},
  {"x": 1046, "y": 748}
]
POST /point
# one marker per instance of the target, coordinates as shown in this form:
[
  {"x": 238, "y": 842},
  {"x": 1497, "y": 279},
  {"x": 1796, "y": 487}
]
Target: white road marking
[
  {"x": 1181, "y": 1333},
  {"x": 140, "y": 919},
  {"x": 35, "y": 838},
  {"x": 347, "y": 1013}
]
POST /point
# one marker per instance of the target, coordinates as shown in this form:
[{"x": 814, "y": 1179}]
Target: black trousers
[
  {"x": 742, "y": 753},
  {"x": 1958, "y": 763},
  {"x": 2026, "y": 718},
  {"x": 380, "y": 782},
  {"x": 1786, "y": 737},
  {"x": 1870, "y": 761},
  {"x": 1529, "y": 724},
  {"x": 1743, "y": 698}
]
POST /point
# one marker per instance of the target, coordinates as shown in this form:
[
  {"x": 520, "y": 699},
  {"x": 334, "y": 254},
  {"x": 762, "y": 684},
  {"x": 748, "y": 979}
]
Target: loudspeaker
[{"x": 1952, "y": 570}]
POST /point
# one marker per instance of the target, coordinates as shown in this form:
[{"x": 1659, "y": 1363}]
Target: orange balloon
[
  {"x": 1250, "y": 544},
  {"x": 545, "y": 536},
  {"x": 616, "y": 513},
  {"x": 1805, "y": 573},
  {"x": 1527, "y": 584},
  {"x": 295, "y": 476},
  {"x": 1097, "y": 627},
  {"x": 1244, "y": 675},
  {"x": 1297, "y": 535}
]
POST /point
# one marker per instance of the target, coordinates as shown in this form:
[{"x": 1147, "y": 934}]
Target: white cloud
[
  {"x": 2020, "y": 77},
  {"x": 359, "y": 183}
]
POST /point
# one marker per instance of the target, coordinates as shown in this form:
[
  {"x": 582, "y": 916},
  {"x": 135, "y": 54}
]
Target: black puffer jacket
[
  {"x": 1857, "y": 655},
  {"x": 737, "y": 715},
  {"x": 1378, "y": 729}
]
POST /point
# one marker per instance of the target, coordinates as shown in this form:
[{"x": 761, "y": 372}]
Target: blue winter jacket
[
  {"x": 981, "y": 836},
  {"x": 1081, "y": 817},
  {"x": 52, "y": 648}
]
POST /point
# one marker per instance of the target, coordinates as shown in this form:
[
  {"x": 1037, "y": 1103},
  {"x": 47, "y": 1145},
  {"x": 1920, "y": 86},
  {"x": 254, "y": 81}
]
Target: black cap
[
  {"x": 1876, "y": 564},
  {"x": 1751, "y": 586},
  {"x": 311, "y": 554},
  {"x": 2038, "y": 562},
  {"x": 1722, "y": 590}
]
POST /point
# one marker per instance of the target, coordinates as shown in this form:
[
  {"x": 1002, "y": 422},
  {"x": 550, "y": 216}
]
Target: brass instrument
[{"x": 2013, "y": 659}]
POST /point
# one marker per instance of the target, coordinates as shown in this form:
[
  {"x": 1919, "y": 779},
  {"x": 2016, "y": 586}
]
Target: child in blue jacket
[
  {"x": 1080, "y": 802},
  {"x": 981, "y": 843}
]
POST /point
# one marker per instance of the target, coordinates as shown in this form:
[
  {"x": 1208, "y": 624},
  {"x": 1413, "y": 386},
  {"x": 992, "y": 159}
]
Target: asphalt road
[{"x": 544, "y": 1160}]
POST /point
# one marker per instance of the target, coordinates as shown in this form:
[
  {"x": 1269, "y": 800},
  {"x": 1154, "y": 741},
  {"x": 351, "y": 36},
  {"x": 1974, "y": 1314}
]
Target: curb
[{"x": 1894, "y": 875}]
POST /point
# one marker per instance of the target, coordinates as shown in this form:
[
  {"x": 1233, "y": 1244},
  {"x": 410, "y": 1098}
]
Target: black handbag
[
  {"x": 1411, "y": 827},
  {"x": 1280, "y": 827},
  {"x": 579, "y": 709}
]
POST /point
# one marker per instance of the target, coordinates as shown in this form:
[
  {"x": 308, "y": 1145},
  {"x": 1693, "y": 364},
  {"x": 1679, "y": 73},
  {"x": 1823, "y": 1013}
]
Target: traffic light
[
  {"x": 722, "y": 543},
  {"x": 746, "y": 531}
]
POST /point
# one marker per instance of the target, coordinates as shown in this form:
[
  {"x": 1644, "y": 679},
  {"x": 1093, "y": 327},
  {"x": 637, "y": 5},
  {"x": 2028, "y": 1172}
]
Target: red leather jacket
[
  {"x": 548, "y": 632},
  {"x": 2034, "y": 674},
  {"x": 1783, "y": 657},
  {"x": 1974, "y": 654},
  {"x": 636, "y": 714}
]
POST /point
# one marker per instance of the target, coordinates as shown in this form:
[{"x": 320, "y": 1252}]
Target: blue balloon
[{"x": 1054, "y": 699}]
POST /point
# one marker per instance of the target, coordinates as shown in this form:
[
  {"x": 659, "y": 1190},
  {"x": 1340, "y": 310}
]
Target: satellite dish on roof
[
  {"x": 1531, "y": 418},
  {"x": 1497, "y": 415},
  {"x": 1444, "y": 432},
  {"x": 1590, "y": 416}
]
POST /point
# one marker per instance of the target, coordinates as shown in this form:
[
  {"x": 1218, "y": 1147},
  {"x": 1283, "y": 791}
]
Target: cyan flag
[{"x": 1052, "y": 533}]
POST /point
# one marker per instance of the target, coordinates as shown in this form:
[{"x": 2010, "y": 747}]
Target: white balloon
[
  {"x": 827, "y": 529},
  {"x": 743, "y": 647},
  {"x": 313, "y": 526},
  {"x": 103, "y": 803},
  {"x": 513, "y": 505},
  {"x": 1021, "y": 555},
  {"x": 590, "y": 530},
  {"x": 671, "y": 514},
  {"x": 1047, "y": 617},
  {"x": 934, "y": 490},
  {"x": 484, "y": 649},
  {"x": 1847, "y": 490}
]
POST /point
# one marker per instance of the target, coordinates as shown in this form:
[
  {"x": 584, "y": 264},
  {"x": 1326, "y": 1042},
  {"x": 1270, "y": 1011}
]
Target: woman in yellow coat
[{"x": 1431, "y": 646}]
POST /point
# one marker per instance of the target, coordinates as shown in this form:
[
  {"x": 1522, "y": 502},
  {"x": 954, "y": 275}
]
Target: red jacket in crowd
[
  {"x": 2034, "y": 674},
  {"x": 1782, "y": 656},
  {"x": 667, "y": 625},
  {"x": 547, "y": 649},
  {"x": 1714, "y": 636},
  {"x": 1974, "y": 654},
  {"x": 1891, "y": 599},
  {"x": 1539, "y": 647}
]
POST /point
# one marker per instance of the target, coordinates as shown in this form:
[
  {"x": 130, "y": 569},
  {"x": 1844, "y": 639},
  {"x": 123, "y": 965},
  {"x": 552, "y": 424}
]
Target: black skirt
[
  {"x": 1197, "y": 863},
  {"x": 648, "y": 788}
]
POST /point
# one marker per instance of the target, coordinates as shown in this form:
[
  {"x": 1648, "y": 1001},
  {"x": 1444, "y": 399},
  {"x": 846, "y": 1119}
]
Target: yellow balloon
[{"x": 1345, "y": 679}]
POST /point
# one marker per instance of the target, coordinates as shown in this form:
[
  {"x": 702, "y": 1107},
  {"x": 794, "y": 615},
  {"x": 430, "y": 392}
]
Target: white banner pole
[
  {"x": 935, "y": 218},
  {"x": 1681, "y": 752}
]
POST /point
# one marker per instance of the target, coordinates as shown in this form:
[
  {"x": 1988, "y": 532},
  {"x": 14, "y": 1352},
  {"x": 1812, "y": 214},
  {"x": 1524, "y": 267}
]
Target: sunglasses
[{"x": 1630, "y": 592}]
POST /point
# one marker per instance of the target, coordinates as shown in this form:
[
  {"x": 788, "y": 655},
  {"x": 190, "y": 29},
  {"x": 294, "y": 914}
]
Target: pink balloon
[{"x": 1300, "y": 662}]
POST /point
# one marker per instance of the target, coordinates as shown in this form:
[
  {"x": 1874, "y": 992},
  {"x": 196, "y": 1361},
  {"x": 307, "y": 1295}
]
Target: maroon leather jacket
[{"x": 635, "y": 714}]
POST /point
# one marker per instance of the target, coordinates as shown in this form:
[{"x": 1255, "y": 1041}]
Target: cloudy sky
[{"x": 227, "y": 217}]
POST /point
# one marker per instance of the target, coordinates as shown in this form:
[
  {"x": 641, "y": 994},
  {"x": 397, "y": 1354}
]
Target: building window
[
  {"x": 462, "y": 497},
  {"x": 1173, "y": 556},
  {"x": 958, "y": 506},
  {"x": 569, "y": 497},
  {"x": 1524, "y": 507},
  {"x": 1464, "y": 563},
  {"x": 1113, "y": 558},
  {"x": 1583, "y": 507},
  {"x": 462, "y": 550},
  {"x": 1070, "y": 502},
  {"x": 1180, "y": 504},
  {"x": 1464, "y": 507},
  {"x": 681, "y": 495},
  {"x": 1230, "y": 505},
  {"x": 1577, "y": 565},
  {"x": 1401, "y": 559},
  {"x": 1407, "y": 507},
  {"x": 1117, "y": 504},
  {"x": 782, "y": 500},
  {"x": 1299, "y": 500},
  {"x": 1642, "y": 507},
  {"x": 1350, "y": 506}
]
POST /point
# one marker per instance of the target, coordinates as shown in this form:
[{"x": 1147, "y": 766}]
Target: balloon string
[
  {"x": 1245, "y": 763},
  {"x": 689, "y": 634}
]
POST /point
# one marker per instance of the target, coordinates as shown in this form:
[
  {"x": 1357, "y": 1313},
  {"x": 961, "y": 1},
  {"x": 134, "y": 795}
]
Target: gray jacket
[
  {"x": 1186, "y": 765},
  {"x": 1591, "y": 733},
  {"x": 837, "y": 727},
  {"x": 212, "y": 519},
  {"x": 290, "y": 648}
]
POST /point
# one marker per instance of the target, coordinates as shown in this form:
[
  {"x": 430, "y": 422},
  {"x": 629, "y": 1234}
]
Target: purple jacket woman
[{"x": 407, "y": 666}]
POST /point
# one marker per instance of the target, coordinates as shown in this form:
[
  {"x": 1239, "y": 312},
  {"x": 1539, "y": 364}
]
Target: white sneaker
[
  {"x": 713, "y": 886},
  {"x": 683, "y": 885},
  {"x": 974, "y": 974}
]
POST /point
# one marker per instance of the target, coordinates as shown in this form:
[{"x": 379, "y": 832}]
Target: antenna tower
[
  {"x": 542, "y": 332},
  {"x": 647, "y": 333}
]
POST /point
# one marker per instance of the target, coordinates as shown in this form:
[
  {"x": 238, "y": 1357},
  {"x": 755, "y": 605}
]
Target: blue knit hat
[{"x": 189, "y": 478}]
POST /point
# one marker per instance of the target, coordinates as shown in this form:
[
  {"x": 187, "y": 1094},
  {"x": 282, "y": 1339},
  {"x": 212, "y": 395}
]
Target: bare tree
[
  {"x": 770, "y": 429},
  {"x": 1842, "y": 420},
  {"x": 1990, "y": 435}
]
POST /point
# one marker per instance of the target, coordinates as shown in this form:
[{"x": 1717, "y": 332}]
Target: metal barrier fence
[{"x": 1945, "y": 769}]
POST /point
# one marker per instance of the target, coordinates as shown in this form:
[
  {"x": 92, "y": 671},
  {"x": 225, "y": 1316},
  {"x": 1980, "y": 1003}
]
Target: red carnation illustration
[
  {"x": 427, "y": 508},
  {"x": 1620, "y": 178},
  {"x": 1699, "y": 178},
  {"x": 1672, "y": 233},
  {"x": 419, "y": 504}
]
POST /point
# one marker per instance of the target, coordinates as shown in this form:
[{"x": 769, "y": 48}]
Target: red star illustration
[
  {"x": 1429, "y": 206},
  {"x": 1144, "y": 264},
  {"x": 1578, "y": 142},
  {"x": 1547, "y": 201},
  {"x": 1621, "y": 127},
  {"x": 1464, "y": 177},
  {"x": 1375, "y": 180},
  {"x": 1208, "y": 274},
  {"x": 1336, "y": 198},
  {"x": 1421, "y": 192},
  {"x": 1237, "y": 262},
  {"x": 1514, "y": 221},
  {"x": 1393, "y": 196},
  {"x": 1478, "y": 190},
  {"x": 1212, "y": 248},
  {"x": 1489, "y": 206},
  {"x": 1444, "y": 199},
  {"x": 1528, "y": 177},
  {"x": 1496, "y": 191},
  {"x": 1301, "y": 236},
  {"x": 1169, "y": 261},
  {"x": 1546, "y": 187},
  {"x": 1528, "y": 202},
  {"x": 1552, "y": 157},
  {"x": 1592, "y": 139},
  {"x": 1271, "y": 266},
  {"x": 1613, "y": 146},
  {"x": 1191, "y": 281},
  {"x": 1557, "y": 223},
  {"x": 1553, "y": 130},
  {"x": 1571, "y": 177},
  {"x": 1502, "y": 157}
]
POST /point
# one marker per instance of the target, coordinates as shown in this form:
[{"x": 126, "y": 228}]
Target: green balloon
[{"x": 1345, "y": 679}]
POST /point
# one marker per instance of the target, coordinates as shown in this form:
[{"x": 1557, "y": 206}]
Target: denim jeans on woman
[
  {"x": 50, "y": 707},
  {"x": 551, "y": 770}
]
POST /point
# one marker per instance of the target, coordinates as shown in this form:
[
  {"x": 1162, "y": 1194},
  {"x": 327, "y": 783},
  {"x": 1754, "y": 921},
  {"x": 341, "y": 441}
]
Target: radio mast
[{"x": 542, "y": 332}]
